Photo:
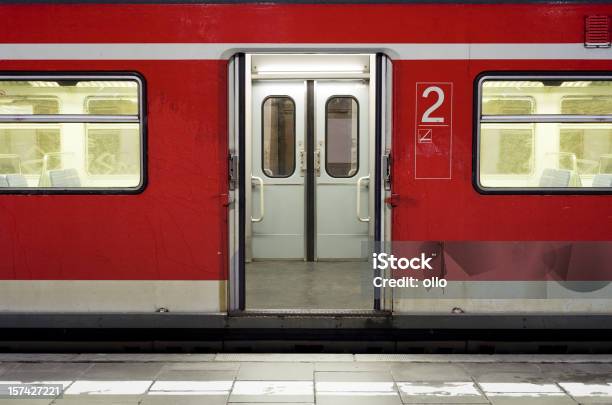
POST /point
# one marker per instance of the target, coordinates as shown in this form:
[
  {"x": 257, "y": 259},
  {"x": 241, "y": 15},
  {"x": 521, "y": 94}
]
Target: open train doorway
[{"x": 309, "y": 154}]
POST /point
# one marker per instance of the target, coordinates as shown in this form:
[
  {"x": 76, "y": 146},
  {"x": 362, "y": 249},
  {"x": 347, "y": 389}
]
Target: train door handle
[
  {"x": 318, "y": 159},
  {"x": 302, "y": 159},
  {"x": 261, "y": 199},
  {"x": 359, "y": 217}
]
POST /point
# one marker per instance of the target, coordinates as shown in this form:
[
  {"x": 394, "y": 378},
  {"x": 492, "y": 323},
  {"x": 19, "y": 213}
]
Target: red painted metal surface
[
  {"x": 453, "y": 209},
  {"x": 177, "y": 228},
  {"x": 448, "y": 23}
]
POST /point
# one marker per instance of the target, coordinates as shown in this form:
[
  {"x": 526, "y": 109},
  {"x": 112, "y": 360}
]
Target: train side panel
[{"x": 167, "y": 246}]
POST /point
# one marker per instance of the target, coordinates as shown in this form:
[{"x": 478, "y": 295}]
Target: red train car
[{"x": 217, "y": 159}]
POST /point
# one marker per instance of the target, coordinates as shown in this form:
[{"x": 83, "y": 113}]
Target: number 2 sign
[{"x": 433, "y": 135}]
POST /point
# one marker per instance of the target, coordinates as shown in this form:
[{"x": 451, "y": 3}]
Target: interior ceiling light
[
  {"x": 576, "y": 83},
  {"x": 43, "y": 84},
  {"x": 516, "y": 84},
  {"x": 115, "y": 83},
  {"x": 301, "y": 68}
]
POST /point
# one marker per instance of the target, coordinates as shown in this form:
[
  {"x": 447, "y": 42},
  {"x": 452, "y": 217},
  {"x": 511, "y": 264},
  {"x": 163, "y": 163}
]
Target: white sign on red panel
[{"x": 433, "y": 137}]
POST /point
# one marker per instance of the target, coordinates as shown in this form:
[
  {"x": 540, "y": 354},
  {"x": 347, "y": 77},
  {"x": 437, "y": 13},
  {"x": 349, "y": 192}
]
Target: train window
[
  {"x": 109, "y": 146},
  {"x": 545, "y": 135},
  {"x": 112, "y": 105},
  {"x": 341, "y": 136},
  {"x": 22, "y": 147},
  {"x": 68, "y": 134},
  {"x": 590, "y": 145},
  {"x": 278, "y": 136},
  {"x": 507, "y": 149}
]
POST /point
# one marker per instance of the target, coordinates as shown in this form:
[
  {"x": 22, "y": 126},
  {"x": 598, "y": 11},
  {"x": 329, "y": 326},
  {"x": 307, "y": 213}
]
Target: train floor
[
  {"x": 284, "y": 284},
  {"x": 335, "y": 379}
]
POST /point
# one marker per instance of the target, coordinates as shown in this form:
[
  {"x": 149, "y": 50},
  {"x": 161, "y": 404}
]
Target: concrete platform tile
[
  {"x": 176, "y": 399},
  {"x": 355, "y": 383},
  {"x": 359, "y": 399},
  {"x": 8, "y": 366},
  {"x": 37, "y": 357},
  {"x": 203, "y": 366},
  {"x": 524, "y": 388},
  {"x": 178, "y": 386},
  {"x": 487, "y": 358},
  {"x": 483, "y": 370},
  {"x": 276, "y": 371},
  {"x": 587, "y": 372},
  {"x": 593, "y": 400},
  {"x": 107, "y": 387},
  {"x": 463, "y": 392},
  {"x": 25, "y": 401},
  {"x": 428, "y": 372},
  {"x": 197, "y": 375},
  {"x": 37, "y": 378},
  {"x": 532, "y": 399},
  {"x": 98, "y": 400},
  {"x": 122, "y": 371},
  {"x": 144, "y": 357},
  {"x": 514, "y": 377},
  {"x": 353, "y": 376},
  {"x": 76, "y": 368},
  {"x": 354, "y": 366},
  {"x": 272, "y": 391},
  {"x": 589, "y": 393},
  {"x": 289, "y": 357}
]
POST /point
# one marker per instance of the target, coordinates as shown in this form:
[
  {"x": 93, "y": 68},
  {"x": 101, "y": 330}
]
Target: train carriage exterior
[{"x": 169, "y": 157}]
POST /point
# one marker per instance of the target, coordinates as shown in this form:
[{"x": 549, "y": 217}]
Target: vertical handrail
[
  {"x": 359, "y": 217},
  {"x": 261, "y": 199}
]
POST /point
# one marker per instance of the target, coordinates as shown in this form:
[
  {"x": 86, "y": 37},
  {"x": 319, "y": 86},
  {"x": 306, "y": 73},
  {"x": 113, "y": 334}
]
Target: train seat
[
  {"x": 555, "y": 178},
  {"x": 602, "y": 180},
  {"x": 16, "y": 180},
  {"x": 13, "y": 180},
  {"x": 64, "y": 178}
]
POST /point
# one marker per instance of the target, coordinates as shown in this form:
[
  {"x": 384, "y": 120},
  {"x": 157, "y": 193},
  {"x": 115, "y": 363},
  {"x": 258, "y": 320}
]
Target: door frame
[{"x": 239, "y": 126}]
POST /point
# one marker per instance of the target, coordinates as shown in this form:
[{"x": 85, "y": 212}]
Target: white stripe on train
[
  {"x": 210, "y": 296},
  {"x": 216, "y": 51}
]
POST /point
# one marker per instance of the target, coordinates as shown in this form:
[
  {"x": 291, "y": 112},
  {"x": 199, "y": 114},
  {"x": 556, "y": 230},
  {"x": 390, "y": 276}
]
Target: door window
[
  {"x": 342, "y": 136},
  {"x": 278, "y": 136}
]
